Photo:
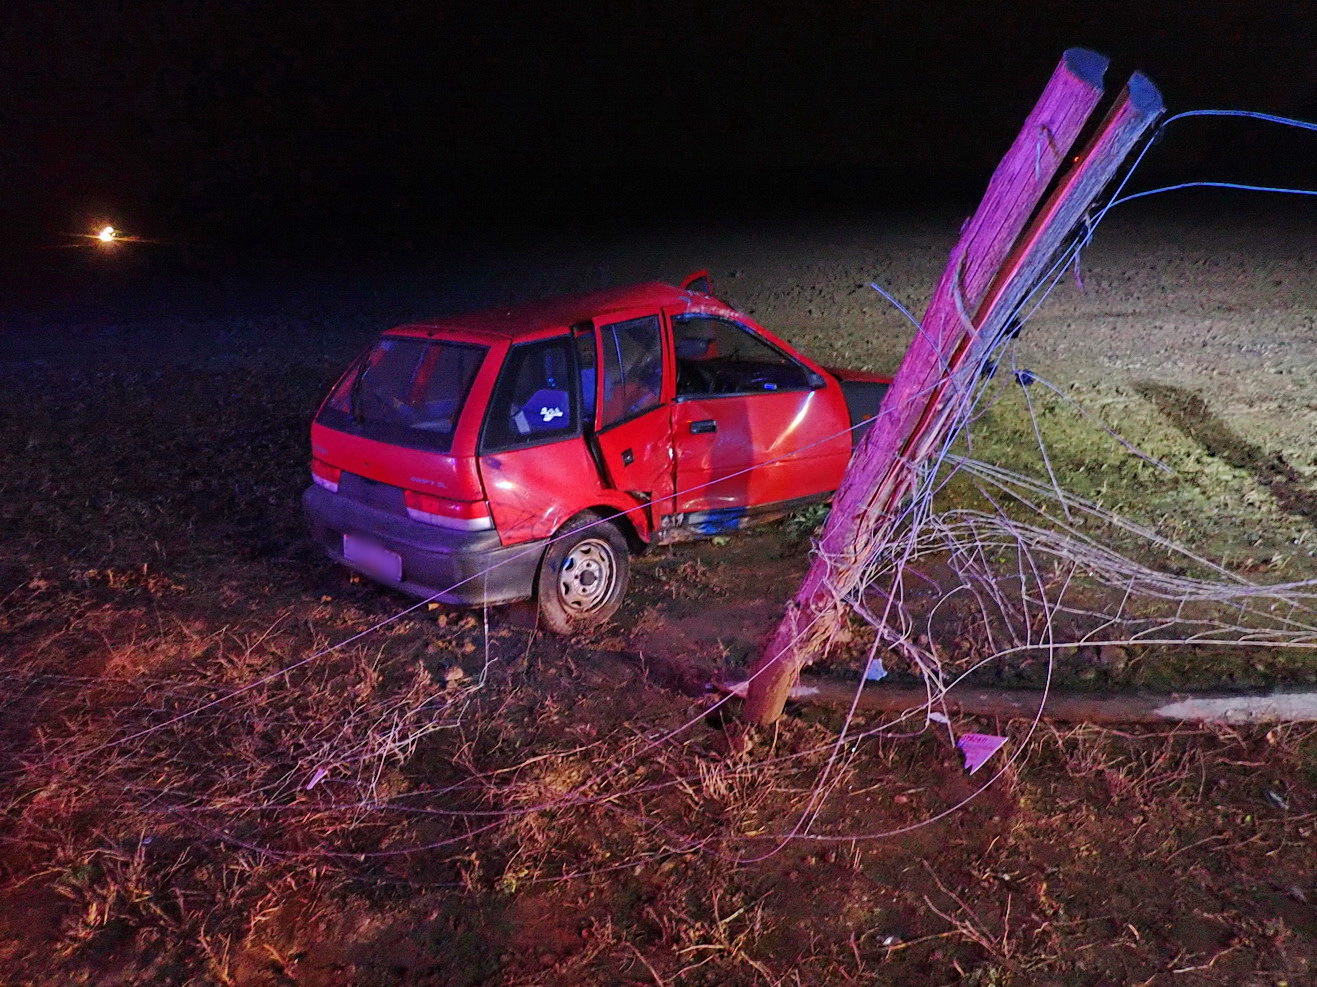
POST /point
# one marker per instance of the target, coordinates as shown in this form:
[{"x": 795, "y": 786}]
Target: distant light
[{"x": 108, "y": 237}]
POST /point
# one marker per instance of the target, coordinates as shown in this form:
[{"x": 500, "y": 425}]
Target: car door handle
[{"x": 701, "y": 427}]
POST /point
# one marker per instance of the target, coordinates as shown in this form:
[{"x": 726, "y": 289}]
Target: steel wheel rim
[{"x": 587, "y": 576}]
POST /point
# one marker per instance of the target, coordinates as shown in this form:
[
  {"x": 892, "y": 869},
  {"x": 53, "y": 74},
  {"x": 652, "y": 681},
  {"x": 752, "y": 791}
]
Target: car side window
[
  {"x": 535, "y": 399},
  {"x": 632, "y": 367},
  {"x": 715, "y": 356}
]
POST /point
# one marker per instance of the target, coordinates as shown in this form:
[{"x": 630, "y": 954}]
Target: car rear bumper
[{"x": 456, "y": 567}]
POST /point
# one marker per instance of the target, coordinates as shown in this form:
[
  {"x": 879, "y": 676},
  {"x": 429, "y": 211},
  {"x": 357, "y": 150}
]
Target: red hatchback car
[{"x": 525, "y": 452}]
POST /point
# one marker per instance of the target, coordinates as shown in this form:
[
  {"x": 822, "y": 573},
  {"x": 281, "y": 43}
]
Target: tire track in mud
[{"x": 1190, "y": 413}]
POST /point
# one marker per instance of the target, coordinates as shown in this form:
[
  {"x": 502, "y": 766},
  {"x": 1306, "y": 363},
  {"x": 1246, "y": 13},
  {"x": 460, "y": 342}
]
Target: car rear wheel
[{"x": 584, "y": 574}]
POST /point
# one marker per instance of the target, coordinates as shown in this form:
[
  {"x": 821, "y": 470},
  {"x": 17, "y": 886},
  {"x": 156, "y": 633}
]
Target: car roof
[{"x": 533, "y": 318}]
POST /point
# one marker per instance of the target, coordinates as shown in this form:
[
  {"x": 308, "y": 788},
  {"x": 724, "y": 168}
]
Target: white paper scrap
[{"x": 977, "y": 748}]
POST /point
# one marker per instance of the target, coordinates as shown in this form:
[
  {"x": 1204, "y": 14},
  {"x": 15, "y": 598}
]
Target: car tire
[{"x": 583, "y": 575}]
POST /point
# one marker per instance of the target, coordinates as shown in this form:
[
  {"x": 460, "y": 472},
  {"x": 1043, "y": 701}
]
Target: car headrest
[
  {"x": 691, "y": 348},
  {"x": 547, "y": 411}
]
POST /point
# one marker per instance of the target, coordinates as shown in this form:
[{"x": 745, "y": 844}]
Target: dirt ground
[{"x": 223, "y": 760}]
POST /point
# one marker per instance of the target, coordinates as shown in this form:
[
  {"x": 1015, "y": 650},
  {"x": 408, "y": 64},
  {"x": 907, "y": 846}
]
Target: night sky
[{"x": 191, "y": 117}]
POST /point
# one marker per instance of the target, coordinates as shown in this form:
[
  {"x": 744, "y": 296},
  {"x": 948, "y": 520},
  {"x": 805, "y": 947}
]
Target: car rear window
[{"x": 406, "y": 391}]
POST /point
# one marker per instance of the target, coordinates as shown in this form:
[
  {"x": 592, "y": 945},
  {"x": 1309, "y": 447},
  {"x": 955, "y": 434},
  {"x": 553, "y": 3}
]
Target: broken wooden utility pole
[{"x": 990, "y": 273}]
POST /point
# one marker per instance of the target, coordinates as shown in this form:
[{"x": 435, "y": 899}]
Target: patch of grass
[
  {"x": 1229, "y": 507},
  {"x": 807, "y": 521}
]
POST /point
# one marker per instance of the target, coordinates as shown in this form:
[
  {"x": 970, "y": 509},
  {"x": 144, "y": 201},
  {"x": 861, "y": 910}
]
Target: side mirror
[{"x": 700, "y": 283}]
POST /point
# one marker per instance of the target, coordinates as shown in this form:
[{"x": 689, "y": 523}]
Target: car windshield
[{"x": 406, "y": 391}]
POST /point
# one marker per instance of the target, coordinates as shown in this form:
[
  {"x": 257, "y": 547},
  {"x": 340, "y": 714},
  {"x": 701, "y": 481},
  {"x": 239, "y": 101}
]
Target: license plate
[{"x": 377, "y": 560}]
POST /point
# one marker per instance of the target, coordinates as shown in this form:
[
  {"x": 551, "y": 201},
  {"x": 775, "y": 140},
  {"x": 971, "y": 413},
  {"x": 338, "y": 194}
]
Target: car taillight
[
  {"x": 325, "y": 475},
  {"x": 461, "y": 515}
]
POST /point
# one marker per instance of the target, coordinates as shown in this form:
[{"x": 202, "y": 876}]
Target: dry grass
[
  {"x": 564, "y": 821},
  {"x": 187, "y": 840}
]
